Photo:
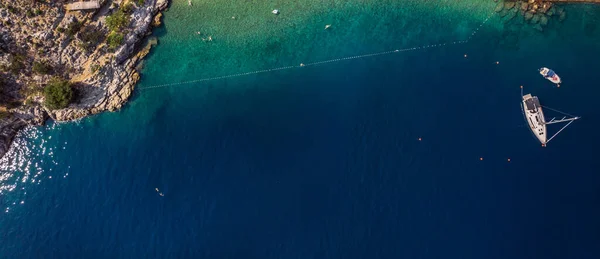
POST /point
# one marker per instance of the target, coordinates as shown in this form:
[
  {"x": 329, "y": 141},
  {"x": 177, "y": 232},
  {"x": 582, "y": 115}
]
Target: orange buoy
[
  {"x": 497, "y": 62},
  {"x": 509, "y": 160},
  {"x": 481, "y": 159},
  {"x": 521, "y": 87},
  {"x": 419, "y": 139}
]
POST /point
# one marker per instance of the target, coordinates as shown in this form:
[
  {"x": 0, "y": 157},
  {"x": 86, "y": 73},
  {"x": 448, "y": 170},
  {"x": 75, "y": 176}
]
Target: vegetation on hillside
[
  {"x": 41, "y": 67},
  {"x": 117, "y": 20},
  {"x": 114, "y": 40},
  {"x": 58, "y": 94},
  {"x": 16, "y": 63},
  {"x": 116, "y": 23},
  {"x": 73, "y": 28},
  {"x": 90, "y": 36}
]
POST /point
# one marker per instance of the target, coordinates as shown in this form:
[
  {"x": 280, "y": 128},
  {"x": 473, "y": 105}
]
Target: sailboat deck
[{"x": 532, "y": 103}]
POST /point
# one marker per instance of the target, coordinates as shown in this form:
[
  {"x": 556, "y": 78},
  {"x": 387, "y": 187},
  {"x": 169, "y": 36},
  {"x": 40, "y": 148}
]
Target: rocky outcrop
[
  {"x": 103, "y": 81},
  {"x": 9, "y": 128},
  {"x": 119, "y": 80},
  {"x": 538, "y": 13}
]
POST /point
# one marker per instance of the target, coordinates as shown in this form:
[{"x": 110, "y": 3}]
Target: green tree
[
  {"x": 90, "y": 36},
  {"x": 16, "y": 63},
  {"x": 114, "y": 40},
  {"x": 58, "y": 94},
  {"x": 41, "y": 67},
  {"x": 73, "y": 28},
  {"x": 127, "y": 7},
  {"x": 117, "y": 21}
]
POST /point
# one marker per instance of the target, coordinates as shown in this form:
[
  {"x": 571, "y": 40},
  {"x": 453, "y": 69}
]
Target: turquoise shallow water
[
  {"x": 256, "y": 39},
  {"x": 323, "y": 161}
]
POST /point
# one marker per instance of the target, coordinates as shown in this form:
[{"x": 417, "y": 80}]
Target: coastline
[
  {"x": 106, "y": 89},
  {"x": 344, "y": 159}
]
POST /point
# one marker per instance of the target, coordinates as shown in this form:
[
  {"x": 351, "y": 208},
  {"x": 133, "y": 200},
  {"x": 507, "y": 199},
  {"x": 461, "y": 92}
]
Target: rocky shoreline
[
  {"x": 103, "y": 78},
  {"x": 537, "y": 13}
]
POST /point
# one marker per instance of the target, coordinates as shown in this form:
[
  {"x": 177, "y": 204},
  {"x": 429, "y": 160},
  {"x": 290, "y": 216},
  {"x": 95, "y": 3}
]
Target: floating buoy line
[{"x": 324, "y": 61}]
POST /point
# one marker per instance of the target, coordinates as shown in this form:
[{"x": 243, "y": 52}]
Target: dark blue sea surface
[{"x": 419, "y": 154}]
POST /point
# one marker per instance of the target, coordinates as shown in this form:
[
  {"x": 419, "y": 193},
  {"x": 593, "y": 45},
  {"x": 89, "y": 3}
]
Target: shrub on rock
[
  {"x": 114, "y": 40},
  {"x": 117, "y": 21},
  {"x": 41, "y": 67},
  {"x": 58, "y": 94}
]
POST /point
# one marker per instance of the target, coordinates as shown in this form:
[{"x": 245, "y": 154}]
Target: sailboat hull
[{"x": 534, "y": 115}]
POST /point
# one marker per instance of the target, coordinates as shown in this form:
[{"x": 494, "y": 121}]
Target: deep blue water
[{"x": 325, "y": 162}]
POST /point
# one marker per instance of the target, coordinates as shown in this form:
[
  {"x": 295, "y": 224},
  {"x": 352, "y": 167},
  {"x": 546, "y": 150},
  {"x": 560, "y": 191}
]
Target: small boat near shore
[
  {"x": 534, "y": 115},
  {"x": 550, "y": 75}
]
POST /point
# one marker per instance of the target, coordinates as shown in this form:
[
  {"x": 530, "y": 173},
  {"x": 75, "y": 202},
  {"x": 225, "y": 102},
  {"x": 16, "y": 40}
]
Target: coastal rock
[
  {"x": 509, "y": 5},
  {"x": 141, "y": 20},
  {"x": 157, "y": 21},
  {"x": 499, "y": 7},
  {"x": 535, "y": 19},
  {"x": 503, "y": 13},
  {"x": 33, "y": 116},
  {"x": 105, "y": 87},
  {"x": 67, "y": 114},
  {"x": 9, "y": 127},
  {"x": 528, "y": 16},
  {"x": 544, "y": 20},
  {"x": 546, "y": 7},
  {"x": 161, "y": 4},
  {"x": 511, "y": 15},
  {"x": 518, "y": 5},
  {"x": 538, "y": 27},
  {"x": 8, "y": 130}
]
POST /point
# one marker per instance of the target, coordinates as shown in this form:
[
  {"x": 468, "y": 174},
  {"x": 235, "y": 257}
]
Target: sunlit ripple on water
[{"x": 24, "y": 164}]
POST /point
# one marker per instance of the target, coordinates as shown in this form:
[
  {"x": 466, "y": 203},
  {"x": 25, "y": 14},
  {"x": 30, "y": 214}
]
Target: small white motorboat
[
  {"x": 550, "y": 75},
  {"x": 275, "y": 12}
]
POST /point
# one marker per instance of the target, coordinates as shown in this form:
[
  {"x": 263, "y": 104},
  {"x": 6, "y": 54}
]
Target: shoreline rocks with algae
[{"x": 536, "y": 12}]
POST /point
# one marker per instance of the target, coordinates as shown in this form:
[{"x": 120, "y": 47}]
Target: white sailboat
[{"x": 534, "y": 115}]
